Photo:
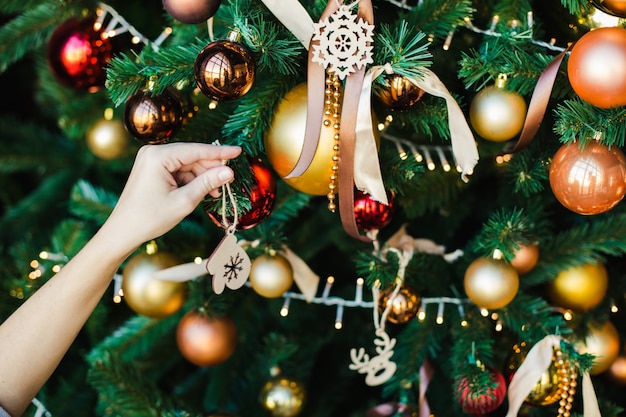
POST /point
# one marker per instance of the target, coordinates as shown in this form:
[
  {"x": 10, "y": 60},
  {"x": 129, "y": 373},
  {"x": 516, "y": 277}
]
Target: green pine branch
[
  {"x": 577, "y": 121},
  {"x": 439, "y": 18}
]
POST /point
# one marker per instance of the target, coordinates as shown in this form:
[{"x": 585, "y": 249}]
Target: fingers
[
  {"x": 187, "y": 156},
  {"x": 208, "y": 182}
]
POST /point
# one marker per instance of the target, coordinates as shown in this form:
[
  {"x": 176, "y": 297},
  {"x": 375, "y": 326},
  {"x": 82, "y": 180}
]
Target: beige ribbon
[
  {"x": 426, "y": 373},
  {"x": 536, "y": 362},
  {"x": 295, "y": 18}
]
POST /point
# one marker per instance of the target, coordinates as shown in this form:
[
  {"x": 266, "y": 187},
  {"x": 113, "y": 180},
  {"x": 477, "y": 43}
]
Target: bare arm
[{"x": 34, "y": 339}]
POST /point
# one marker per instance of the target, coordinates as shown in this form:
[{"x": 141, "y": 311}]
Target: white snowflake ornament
[{"x": 345, "y": 42}]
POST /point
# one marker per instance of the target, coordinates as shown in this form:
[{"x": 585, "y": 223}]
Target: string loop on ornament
[
  {"x": 347, "y": 6},
  {"x": 230, "y": 228},
  {"x": 403, "y": 258}
]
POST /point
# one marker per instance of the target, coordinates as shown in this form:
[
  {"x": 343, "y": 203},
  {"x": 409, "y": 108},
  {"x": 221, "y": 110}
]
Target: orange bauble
[
  {"x": 206, "y": 340},
  {"x": 617, "y": 370},
  {"x": 603, "y": 343},
  {"x": 612, "y": 7},
  {"x": 525, "y": 258},
  {"x": 597, "y": 67},
  {"x": 588, "y": 181}
]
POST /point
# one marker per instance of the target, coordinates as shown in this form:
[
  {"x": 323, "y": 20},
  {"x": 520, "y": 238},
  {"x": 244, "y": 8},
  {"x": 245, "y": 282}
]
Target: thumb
[{"x": 207, "y": 182}]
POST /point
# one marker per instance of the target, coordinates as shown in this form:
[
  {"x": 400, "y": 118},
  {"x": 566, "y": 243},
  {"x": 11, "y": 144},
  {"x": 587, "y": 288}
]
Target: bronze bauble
[
  {"x": 602, "y": 342},
  {"x": 525, "y": 258},
  {"x": 579, "y": 288},
  {"x": 491, "y": 283},
  {"x": 497, "y": 115},
  {"x": 191, "y": 11},
  {"x": 612, "y": 7},
  {"x": 597, "y": 67},
  {"x": 282, "y": 397},
  {"x": 397, "y": 92},
  {"x": 206, "y": 340},
  {"x": 271, "y": 275},
  {"x": 108, "y": 139},
  {"x": 588, "y": 181},
  {"x": 147, "y": 295},
  {"x": 402, "y": 307},
  {"x": 153, "y": 118},
  {"x": 617, "y": 370}
]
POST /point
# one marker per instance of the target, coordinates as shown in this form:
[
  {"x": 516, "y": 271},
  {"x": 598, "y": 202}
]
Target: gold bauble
[
  {"x": 108, "y": 139},
  {"x": 402, "y": 307},
  {"x": 271, "y": 275},
  {"x": 602, "y": 341},
  {"x": 284, "y": 140},
  {"x": 496, "y": 114},
  {"x": 282, "y": 397},
  {"x": 525, "y": 258},
  {"x": 548, "y": 388},
  {"x": 491, "y": 283},
  {"x": 579, "y": 288},
  {"x": 147, "y": 295},
  {"x": 617, "y": 370}
]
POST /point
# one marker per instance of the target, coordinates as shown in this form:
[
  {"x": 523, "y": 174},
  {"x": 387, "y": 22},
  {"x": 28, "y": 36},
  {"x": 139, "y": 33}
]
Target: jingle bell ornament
[
  {"x": 224, "y": 70},
  {"x": 153, "y": 118},
  {"x": 588, "y": 181},
  {"x": 496, "y": 114},
  {"x": 603, "y": 342},
  {"x": 473, "y": 402},
  {"x": 579, "y": 288},
  {"x": 206, "y": 340},
  {"x": 77, "y": 54},
  {"x": 397, "y": 92},
  {"x": 402, "y": 307},
  {"x": 282, "y": 397},
  {"x": 271, "y": 275},
  {"x": 191, "y": 11},
  {"x": 597, "y": 67},
  {"x": 371, "y": 214},
  {"x": 108, "y": 139},
  {"x": 491, "y": 283},
  {"x": 612, "y": 7},
  {"x": 149, "y": 296},
  {"x": 262, "y": 196}
]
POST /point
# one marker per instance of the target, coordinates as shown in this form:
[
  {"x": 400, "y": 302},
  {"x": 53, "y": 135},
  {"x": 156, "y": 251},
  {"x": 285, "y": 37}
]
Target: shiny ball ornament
[
  {"x": 597, "y": 67},
  {"x": 271, "y": 275},
  {"x": 284, "y": 141},
  {"x": 153, "y": 118},
  {"x": 402, "y": 307},
  {"x": 491, "y": 283},
  {"x": 602, "y": 341},
  {"x": 525, "y": 258},
  {"x": 588, "y": 181},
  {"x": 77, "y": 55},
  {"x": 149, "y": 296},
  {"x": 191, "y": 11},
  {"x": 206, "y": 340},
  {"x": 548, "y": 388},
  {"x": 612, "y": 7},
  {"x": 497, "y": 115},
  {"x": 282, "y": 397},
  {"x": 225, "y": 70},
  {"x": 617, "y": 370},
  {"x": 108, "y": 139},
  {"x": 261, "y": 195},
  {"x": 479, "y": 404},
  {"x": 579, "y": 288},
  {"x": 371, "y": 214},
  {"x": 398, "y": 93}
]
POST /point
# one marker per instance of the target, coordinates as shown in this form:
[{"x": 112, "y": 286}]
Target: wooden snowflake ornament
[{"x": 345, "y": 42}]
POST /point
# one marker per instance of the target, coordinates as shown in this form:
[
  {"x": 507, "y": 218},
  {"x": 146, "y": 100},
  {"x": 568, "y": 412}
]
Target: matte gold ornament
[
  {"x": 612, "y": 7},
  {"x": 588, "y": 181},
  {"x": 602, "y": 341},
  {"x": 402, "y": 307},
  {"x": 525, "y": 258},
  {"x": 579, "y": 288},
  {"x": 491, "y": 283},
  {"x": 497, "y": 115},
  {"x": 271, "y": 275},
  {"x": 147, "y": 295},
  {"x": 597, "y": 67},
  {"x": 282, "y": 397},
  {"x": 206, "y": 340},
  {"x": 108, "y": 139}
]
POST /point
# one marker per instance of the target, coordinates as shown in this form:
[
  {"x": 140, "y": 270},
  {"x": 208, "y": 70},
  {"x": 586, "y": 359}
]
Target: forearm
[{"x": 34, "y": 339}]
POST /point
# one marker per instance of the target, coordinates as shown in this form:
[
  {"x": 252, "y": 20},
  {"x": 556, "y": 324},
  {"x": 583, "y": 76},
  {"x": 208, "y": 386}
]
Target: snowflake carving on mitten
[
  {"x": 229, "y": 264},
  {"x": 345, "y": 43}
]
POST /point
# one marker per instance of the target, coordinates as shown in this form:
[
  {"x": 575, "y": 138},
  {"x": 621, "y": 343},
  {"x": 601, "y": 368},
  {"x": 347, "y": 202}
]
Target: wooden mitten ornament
[{"x": 229, "y": 264}]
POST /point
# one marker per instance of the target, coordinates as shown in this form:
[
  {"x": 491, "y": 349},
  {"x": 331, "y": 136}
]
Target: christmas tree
[{"x": 426, "y": 218}]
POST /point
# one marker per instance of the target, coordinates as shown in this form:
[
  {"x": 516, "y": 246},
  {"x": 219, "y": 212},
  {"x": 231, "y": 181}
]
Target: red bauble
[
  {"x": 262, "y": 196},
  {"x": 492, "y": 398},
  {"x": 597, "y": 67},
  {"x": 205, "y": 340},
  {"x": 153, "y": 118},
  {"x": 588, "y": 181},
  {"x": 191, "y": 11},
  {"x": 225, "y": 70},
  {"x": 371, "y": 214},
  {"x": 77, "y": 54}
]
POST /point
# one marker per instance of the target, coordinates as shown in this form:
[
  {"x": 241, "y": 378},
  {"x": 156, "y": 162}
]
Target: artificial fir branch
[
  {"x": 91, "y": 203},
  {"x": 577, "y": 6},
  {"x": 577, "y": 121},
  {"x": 403, "y": 48},
  {"x": 439, "y": 18}
]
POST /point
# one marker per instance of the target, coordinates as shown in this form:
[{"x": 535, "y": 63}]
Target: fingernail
[{"x": 225, "y": 175}]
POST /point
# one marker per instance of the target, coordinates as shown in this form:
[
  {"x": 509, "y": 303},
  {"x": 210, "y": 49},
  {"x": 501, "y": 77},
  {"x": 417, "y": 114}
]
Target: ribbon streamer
[
  {"x": 294, "y": 17},
  {"x": 306, "y": 280},
  {"x": 426, "y": 374}
]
